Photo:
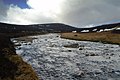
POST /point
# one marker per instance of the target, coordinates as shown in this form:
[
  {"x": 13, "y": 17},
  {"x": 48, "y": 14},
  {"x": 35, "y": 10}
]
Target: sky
[
  {"x": 78, "y": 13},
  {"x": 21, "y": 3}
]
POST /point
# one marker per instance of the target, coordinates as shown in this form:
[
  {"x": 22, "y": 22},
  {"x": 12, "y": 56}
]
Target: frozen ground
[{"x": 86, "y": 61}]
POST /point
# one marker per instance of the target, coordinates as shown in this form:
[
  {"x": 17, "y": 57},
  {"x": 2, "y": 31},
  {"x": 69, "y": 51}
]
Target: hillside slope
[{"x": 50, "y": 27}]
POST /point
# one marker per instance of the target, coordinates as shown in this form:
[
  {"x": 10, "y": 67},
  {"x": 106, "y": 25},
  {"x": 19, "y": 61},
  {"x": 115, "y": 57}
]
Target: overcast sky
[{"x": 79, "y": 13}]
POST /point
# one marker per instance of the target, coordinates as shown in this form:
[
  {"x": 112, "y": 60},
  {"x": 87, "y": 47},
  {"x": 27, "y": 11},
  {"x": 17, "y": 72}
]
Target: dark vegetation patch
[{"x": 7, "y": 68}]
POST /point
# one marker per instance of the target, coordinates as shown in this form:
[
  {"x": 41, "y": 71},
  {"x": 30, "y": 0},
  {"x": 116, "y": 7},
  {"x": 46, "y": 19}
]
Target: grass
[
  {"x": 24, "y": 71},
  {"x": 105, "y": 37}
]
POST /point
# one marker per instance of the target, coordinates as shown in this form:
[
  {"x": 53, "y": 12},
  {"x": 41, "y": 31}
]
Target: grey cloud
[
  {"x": 3, "y": 11},
  {"x": 113, "y": 2},
  {"x": 86, "y": 12}
]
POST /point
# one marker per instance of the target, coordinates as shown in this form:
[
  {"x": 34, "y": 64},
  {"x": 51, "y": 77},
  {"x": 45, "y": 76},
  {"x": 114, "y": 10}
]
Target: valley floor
[{"x": 54, "y": 58}]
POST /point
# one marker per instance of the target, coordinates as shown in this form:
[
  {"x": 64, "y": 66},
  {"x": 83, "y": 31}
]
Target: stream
[{"x": 54, "y": 58}]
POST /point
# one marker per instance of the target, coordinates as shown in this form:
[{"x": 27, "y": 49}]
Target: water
[{"x": 52, "y": 61}]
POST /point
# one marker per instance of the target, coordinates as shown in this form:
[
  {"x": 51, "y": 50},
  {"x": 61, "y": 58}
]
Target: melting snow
[{"x": 85, "y": 31}]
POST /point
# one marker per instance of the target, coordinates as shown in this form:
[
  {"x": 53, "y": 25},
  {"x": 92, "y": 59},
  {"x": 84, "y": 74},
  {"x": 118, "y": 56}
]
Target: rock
[
  {"x": 57, "y": 36},
  {"x": 92, "y": 54},
  {"x": 80, "y": 48},
  {"x": 86, "y": 54},
  {"x": 117, "y": 72},
  {"x": 111, "y": 54},
  {"x": 79, "y": 75},
  {"x": 91, "y": 74},
  {"x": 17, "y": 44},
  {"x": 104, "y": 69},
  {"x": 45, "y": 39},
  {"x": 98, "y": 71},
  {"x": 106, "y": 49},
  {"x": 69, "y": 50},
  {"x": 72, "y": 46}
]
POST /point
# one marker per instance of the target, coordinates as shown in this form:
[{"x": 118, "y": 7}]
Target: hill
[
  {"x": 106, "y": 27},
  {"x": 51, "y": 27},
  {"x": 54, "y": 27}
]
